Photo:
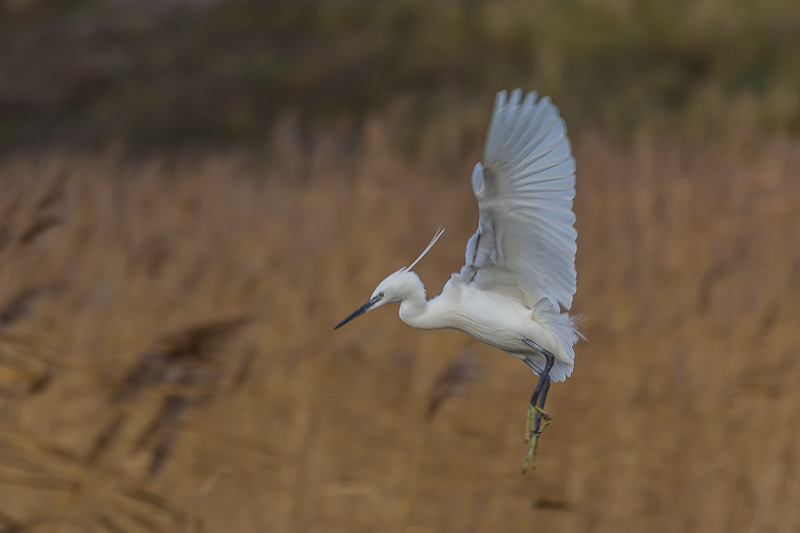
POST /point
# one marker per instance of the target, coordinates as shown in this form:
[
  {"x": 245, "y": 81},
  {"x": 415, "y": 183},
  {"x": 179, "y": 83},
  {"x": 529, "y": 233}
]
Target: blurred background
[{"x": 194, "y": 192}]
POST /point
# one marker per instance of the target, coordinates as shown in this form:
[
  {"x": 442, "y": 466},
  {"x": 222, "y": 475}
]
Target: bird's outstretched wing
[{"x": 525, "y": 240}]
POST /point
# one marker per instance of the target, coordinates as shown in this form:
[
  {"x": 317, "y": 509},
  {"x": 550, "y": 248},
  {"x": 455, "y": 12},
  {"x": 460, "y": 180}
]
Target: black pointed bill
[{"x": 358, "y": 312}]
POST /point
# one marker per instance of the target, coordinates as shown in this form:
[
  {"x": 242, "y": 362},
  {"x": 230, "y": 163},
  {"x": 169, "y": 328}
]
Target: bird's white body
[
  {"x": 490, "y": 317},
  {"x": 520, "y": 264}
]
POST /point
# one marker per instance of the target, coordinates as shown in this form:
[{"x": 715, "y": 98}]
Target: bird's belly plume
[
  {"x": 497, "y": 321},
  {"x": 503, "y": 322}
]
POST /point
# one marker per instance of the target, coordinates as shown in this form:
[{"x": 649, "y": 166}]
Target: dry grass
[{"x": 167, "y": 359}]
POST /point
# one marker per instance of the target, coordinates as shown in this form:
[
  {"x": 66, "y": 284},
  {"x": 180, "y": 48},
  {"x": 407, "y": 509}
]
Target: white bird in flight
[{"x": 520, "y": 264}]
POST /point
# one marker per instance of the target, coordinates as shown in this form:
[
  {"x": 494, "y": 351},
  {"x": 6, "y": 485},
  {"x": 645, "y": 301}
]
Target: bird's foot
[
  {"x": 533, "y": 424},
  {"x": 538, "y": 420}
]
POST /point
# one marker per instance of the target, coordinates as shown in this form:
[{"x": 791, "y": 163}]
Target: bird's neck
[{"x": 420, "y": 313}]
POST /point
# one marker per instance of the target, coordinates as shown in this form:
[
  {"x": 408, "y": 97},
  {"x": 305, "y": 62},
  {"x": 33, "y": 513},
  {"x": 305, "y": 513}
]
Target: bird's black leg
[
  {"x": 540, "y": 412},
  {"x": 543, "y": 385},
  {"x": 536, "y": 411},
  {"x": 536, "y": 392}
]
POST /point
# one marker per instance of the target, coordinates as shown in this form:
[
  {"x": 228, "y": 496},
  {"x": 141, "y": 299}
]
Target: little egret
[{"x": 520, "y": 264}]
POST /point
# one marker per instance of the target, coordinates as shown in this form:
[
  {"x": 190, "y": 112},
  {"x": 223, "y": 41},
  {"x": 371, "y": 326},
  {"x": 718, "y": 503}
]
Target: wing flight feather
[{"x": 525, "y": 187}]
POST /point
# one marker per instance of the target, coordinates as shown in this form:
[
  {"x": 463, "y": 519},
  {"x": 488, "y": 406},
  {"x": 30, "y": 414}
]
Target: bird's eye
[{"x": 381, "y": 295}]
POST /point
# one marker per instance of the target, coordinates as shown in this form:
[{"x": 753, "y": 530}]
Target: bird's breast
[{"x": 495, "y": 320}]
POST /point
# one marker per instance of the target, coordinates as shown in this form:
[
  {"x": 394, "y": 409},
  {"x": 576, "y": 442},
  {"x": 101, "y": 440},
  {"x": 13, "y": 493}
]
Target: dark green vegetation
[{"x": 158, "y": 73}]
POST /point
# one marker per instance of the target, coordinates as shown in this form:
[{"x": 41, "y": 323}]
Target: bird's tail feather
[{"x": 565, "y": 331}]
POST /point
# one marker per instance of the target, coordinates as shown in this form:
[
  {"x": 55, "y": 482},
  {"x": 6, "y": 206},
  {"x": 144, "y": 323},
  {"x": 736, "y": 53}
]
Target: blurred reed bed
[{"x": 167, "y": 359}]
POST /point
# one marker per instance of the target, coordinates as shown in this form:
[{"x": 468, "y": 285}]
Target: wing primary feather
[
  {"x": 509, "y": 117},
  {"x": 516, "y": 130},
  {"x": 497, "y": 116},
  {"x": 538, "y": 128},
  {"x": 520, "y": 135},
  {"x": 542, "y": 152}
]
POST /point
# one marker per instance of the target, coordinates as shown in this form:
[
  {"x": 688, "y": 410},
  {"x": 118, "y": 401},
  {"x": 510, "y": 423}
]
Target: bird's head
[{"x": 396, "y": 287}]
